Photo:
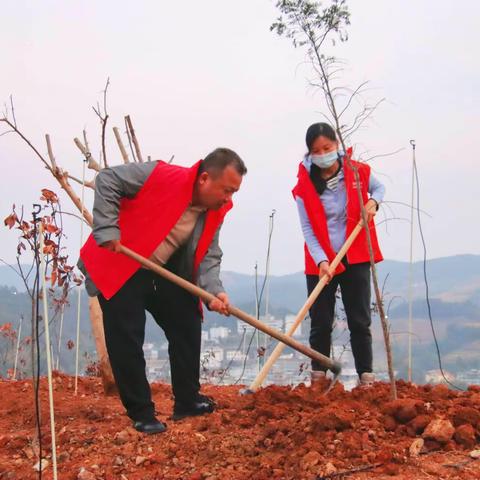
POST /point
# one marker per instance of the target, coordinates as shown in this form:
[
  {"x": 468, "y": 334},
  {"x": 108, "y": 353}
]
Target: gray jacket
[{"x": 114, "y": 183}]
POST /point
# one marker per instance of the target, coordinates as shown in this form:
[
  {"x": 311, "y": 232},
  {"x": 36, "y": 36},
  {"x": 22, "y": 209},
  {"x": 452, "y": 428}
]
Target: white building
[
  {"x": 272, "y": 322},
  {"x": 217, "y": 333},
  {"x": 235, "y": 354},
  {"x": 214, "y": 356},
  {"x": 241, "y": 326},
  {"x": 289, "y": 320},
  {"x": 157, "y": 368},
  {"x": 149, "y": 351}
]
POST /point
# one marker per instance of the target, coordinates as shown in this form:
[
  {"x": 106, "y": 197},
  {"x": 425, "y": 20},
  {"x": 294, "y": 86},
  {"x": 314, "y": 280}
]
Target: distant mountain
[
  {"x": 9, "y": 278},
  {"x": 451, "y": 279},
  {"x": 454, "y": 285}
]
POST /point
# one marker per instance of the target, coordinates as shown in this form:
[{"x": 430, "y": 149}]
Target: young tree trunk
[
  {"x": 62, "y": 177},
  {"x": 96, "y": 319},
  {"x": 378, "y": 295}
]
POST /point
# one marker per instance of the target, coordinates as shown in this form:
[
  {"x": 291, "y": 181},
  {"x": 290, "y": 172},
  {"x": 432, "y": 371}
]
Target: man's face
[{"x": 214, "y": 191}]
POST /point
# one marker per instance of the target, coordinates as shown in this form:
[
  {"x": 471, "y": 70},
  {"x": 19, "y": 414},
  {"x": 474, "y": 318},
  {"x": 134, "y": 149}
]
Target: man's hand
[
  {"x": 112, "y": 245},
  {"x": 371, "y": 208},
  {"x": 324, "y": 269},
  {"x": 220, "y": 304}
]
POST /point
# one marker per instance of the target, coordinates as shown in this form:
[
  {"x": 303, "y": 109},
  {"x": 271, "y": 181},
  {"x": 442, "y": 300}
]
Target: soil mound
[{"x": 277, "y": 433}]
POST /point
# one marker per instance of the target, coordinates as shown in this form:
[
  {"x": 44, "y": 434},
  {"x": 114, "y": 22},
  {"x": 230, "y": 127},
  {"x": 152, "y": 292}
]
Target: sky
[{"x": 198, "y": 75}]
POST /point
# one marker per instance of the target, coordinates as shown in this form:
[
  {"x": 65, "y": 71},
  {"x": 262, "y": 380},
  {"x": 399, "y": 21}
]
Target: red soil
[{"x": 278, "y": 433}]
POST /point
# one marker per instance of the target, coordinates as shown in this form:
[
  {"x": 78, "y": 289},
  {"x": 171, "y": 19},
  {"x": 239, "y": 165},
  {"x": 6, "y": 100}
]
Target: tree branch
[
  {"x": 357, "y": 90},
  {"x": 13, "y": 111},
  {"x": 103, "y": 120},
  {"x": 360, "y": 119},
  {"x": 88, "y": 183},
  {"x": 25, "y": 139},
  {"x": 62, "y": 178}
]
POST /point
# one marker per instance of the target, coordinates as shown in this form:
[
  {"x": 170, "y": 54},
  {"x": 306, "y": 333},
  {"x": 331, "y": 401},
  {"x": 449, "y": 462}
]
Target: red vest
[
  {"x": 145, "y": 221},
  {"x": 358, "y": 252}
]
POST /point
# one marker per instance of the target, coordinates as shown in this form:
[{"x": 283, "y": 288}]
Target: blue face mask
[{"x": 326, "y": 160}]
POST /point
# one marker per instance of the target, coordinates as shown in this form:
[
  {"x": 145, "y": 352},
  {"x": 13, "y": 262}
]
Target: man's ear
[{"x": 203, "y": 177}]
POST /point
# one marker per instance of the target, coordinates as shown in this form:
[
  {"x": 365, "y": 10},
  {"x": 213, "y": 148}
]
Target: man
[{"x": 172, "y": 215}]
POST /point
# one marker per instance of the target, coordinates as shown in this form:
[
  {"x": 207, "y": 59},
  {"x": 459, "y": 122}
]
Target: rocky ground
[{"x": 278, "y": 433}]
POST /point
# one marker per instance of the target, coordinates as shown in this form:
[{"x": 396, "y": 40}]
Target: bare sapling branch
[
  {"x": 103, "y": 116},
  {"x": 62, "y": 178},
  {"x": 14, "y": 129},
  {"x": 87, "y": 183}
]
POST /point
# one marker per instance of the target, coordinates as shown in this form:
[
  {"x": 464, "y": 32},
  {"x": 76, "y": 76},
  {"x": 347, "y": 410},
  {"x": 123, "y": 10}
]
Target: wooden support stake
[
  {"x": 134, "y": 138},
  {"x": 96, "y": 319},
  {"x": 92, "y": 163},
  {"x": 48, "y": 352},
  {"x": 120, "y": 145}
]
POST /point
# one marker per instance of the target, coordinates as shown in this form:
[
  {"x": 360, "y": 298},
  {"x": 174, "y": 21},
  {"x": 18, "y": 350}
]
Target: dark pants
[
  {"x": 355, "y": 288},
  {"x": 176, "y": 311}
]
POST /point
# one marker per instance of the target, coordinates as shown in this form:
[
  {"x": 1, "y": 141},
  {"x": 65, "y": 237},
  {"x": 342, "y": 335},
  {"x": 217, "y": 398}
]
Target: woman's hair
[
  {"x": 313, "y": 132},
  {"x": 319, "y": 130}
]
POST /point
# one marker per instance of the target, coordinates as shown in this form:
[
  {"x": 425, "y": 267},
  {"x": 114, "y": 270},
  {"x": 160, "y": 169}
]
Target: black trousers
[
  {"x": 177, "y": 313},
  {"x": 355, "y": 288}
]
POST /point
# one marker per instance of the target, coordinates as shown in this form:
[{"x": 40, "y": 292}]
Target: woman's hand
[
  {"x": 371, "y": 209},
  {"x": 324, "y": 269}
]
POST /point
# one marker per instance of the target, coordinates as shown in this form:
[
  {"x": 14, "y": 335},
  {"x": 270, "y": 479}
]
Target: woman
[{"x": 329, "y": 208}]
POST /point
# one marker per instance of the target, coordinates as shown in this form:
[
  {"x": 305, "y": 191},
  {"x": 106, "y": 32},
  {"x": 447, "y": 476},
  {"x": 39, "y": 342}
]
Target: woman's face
[{"x": 323, "y": 145}]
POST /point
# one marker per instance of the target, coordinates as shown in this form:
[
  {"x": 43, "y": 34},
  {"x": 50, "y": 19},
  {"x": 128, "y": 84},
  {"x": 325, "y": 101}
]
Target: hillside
[
  {"x": 455, "y": 278},
  {"x": 455, "y": 299}
]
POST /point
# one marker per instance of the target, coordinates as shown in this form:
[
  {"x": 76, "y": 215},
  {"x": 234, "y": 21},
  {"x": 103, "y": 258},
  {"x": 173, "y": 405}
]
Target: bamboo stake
[
  {"x": 60, "y": 336},
  {"x": 120, "y": 145},
  {"x": 14, "y": 376},
  {"x": 410, "y": 270},
  {"x": 78, "y": 288},
  {"x": 85, "y": 141},
  {"x": 48, "y": 354},
  {"x": 208, "y": 297},
  {"x": 127, "y": 131},
  {"x": 134, "y": 139},
  {"x": 260, "y": 378}
]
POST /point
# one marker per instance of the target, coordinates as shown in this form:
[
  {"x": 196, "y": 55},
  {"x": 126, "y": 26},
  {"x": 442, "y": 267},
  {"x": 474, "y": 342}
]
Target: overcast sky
[{"x": 197, "y": 75}]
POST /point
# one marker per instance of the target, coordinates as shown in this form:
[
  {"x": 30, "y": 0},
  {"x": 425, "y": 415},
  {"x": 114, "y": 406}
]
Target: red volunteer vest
[
  {"x": 145, "y": 221},
  {"x": 358, "y": 252}
]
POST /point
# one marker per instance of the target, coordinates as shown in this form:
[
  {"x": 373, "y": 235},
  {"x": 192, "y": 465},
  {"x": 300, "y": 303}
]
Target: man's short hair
[{"x": 216, "y": 162}]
